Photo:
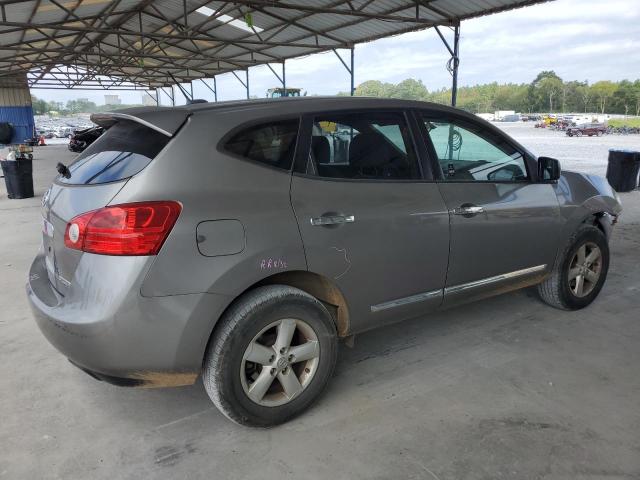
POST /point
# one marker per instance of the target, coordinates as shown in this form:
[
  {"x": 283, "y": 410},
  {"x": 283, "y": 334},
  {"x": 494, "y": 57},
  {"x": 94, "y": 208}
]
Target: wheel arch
[
  {"x": 314, "y": 284},
  {"x": 318, "y": 286}
]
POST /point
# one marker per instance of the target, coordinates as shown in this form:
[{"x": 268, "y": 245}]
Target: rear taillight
[{"x": 127, "y": 229}]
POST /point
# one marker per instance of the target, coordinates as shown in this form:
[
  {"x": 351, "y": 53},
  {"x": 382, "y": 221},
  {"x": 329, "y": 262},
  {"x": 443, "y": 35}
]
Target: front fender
[{"x": 586, "y": 198}]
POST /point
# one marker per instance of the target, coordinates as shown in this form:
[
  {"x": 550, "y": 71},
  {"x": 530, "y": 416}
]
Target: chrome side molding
[
  {"x": 420, "y": 297},
  {"x": 497, "y": 278}
]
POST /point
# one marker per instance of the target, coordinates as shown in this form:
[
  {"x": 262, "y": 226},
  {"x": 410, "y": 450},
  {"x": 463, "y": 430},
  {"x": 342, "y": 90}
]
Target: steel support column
[
  {"x": 454, "y": 66},
  {"x": 284, "y": 79},
  {"x": 245, "y": 84},
  {"x": 182, "y": 89},
  {"x": 154, "y": 98},
  {"x": 350, "y": 68},
  {"x": 281, "y": 79},
  {"x": 214, "y": 89},
  {"x": 352, "y": 71},
  {"x": 454, "y": 61}
]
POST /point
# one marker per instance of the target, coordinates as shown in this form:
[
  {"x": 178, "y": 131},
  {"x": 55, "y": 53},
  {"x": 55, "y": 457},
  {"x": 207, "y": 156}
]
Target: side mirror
[{"x": 548, "y": 169}]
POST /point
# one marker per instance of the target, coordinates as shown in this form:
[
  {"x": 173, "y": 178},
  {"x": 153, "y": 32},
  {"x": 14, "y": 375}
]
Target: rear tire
[
  {"x": 271, "y": 356},
  {"x": 580, "y": 271}
]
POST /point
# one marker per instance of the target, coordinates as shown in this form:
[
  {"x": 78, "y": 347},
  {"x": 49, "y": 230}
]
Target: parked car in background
[
  {"x": 589, "y": 129},
  {"x": 239, "y": 241},
  {"x": 81, "y": 139}
]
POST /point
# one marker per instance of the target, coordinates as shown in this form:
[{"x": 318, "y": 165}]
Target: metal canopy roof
[{"x": 151, "y": 44}]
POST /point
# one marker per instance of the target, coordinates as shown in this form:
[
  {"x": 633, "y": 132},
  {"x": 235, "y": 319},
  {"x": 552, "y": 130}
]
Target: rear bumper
[{"x": 109, "y": 330}]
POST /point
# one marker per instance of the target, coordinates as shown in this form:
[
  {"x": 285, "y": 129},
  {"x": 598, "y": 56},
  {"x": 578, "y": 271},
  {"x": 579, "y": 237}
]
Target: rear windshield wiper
[{"x": 63, "y": 170}]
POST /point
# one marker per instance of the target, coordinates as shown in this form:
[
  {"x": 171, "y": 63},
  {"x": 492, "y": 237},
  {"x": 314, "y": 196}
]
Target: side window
[
  {"x": 270, "y": 143},
  {"x": 467, "y": 154},
  {"x": 366, "y": 146}
]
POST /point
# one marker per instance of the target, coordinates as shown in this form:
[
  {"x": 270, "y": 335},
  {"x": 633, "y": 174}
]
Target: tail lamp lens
[{"x": 127, "y": 229}]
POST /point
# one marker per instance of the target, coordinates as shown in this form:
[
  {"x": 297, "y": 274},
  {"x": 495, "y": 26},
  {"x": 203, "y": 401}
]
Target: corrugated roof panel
[{"x": 206, "y": 45}]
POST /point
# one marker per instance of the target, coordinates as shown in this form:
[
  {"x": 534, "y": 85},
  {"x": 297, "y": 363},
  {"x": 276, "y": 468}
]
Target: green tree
[
  {"x": 56, "y": 106},
  {"x": 40, "y": 107},
  {"x": 410, "y": 89},
  {"x": 543, "y": 89},
  {"x": 624, "y": 98},
  {"x": 550, "y": 88},
  {"x": 584, "y": 93},
  {"x": 82, "y": 105},
  {"x": 374, "y": 88},
  {"x": 546, "y": 92},
  {"x": 603, "y": 91}
]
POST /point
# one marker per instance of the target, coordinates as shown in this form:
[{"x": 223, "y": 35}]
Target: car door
[
  {"x": 504, "y": 225},
  {"x": 369, "y": 221}
]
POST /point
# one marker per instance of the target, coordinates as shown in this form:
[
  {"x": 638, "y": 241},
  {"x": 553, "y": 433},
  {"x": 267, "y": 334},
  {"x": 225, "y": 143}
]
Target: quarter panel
[{"x": 213, "y": 186}]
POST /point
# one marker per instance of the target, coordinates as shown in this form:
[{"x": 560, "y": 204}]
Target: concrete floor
[{"x": 504, "y": 388}]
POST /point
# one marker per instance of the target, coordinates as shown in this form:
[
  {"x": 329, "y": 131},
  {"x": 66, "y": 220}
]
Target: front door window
[{"x": 466, "y": 154}]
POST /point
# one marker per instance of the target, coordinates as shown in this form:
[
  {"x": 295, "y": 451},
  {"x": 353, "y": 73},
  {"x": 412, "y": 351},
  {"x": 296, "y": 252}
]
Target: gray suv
[{"x": 239, "y": 241}]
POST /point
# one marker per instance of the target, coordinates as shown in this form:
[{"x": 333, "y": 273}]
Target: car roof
[
  {"x": 288, "y": 104},
  {"x": 167, "y": 120}
]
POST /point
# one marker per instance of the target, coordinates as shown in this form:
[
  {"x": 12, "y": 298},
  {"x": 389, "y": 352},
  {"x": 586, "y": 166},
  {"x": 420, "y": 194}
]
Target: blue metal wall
[{"x": 22, "y": 120}]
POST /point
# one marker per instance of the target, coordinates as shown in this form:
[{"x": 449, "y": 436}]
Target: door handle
[
  {"x": 332, "y": 220},
  {"x": 468, "y": 210}
]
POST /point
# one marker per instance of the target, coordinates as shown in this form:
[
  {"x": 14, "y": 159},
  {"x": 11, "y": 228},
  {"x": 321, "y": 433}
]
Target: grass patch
[{"x": 632, "y": 122}]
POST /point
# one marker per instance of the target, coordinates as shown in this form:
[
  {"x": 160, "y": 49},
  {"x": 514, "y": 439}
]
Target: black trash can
[
  {"x": 622, "y": 169},
  {"x": 18, "y": 177}
]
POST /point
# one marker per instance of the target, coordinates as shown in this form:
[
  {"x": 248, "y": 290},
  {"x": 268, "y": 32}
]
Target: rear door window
[
  {"x": 271, "y": 143},
  {"x": 364, "y": 146},
  {"x": 121, "y": 152}
]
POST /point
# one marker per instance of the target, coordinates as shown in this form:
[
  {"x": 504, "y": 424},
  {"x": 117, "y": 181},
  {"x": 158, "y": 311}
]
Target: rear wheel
[
  {"x": 578, "y": 134},
  {"x": 271, "y": 356},
  {"x": 580, "y": 272}
]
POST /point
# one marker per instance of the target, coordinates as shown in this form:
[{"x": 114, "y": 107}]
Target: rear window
[
  {"x": 271, "y": 143},
  {"x": 121, "y": 152}
]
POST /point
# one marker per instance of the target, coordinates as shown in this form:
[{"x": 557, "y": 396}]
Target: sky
[{"x": 578, "y": 39}]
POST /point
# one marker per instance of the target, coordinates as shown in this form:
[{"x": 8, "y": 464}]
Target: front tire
[
  {"x": 580, "y": 271},
  {"x": 271, "y": 356}
]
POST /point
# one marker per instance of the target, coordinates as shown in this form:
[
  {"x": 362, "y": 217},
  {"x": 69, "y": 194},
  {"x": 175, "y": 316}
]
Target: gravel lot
[
  {"x": 503, "y": 388},
  {"x": 581, "y": 154}
]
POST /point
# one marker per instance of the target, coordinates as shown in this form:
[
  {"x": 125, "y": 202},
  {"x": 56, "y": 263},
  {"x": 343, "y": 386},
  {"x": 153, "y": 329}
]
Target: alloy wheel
[
  {"x": 280, "y": 362},
  {"x": 585, "y": 269}
]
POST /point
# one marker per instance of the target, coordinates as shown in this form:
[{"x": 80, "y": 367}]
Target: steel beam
[
  {"x": 214, "y": 89},
  {"x": 245, "y": 83},
  {"x": 454, "y": 61},
  {"x": 454, "y": 67},
  {"x": 350, "y": 68},
  {"x": 347, "y": 12}
]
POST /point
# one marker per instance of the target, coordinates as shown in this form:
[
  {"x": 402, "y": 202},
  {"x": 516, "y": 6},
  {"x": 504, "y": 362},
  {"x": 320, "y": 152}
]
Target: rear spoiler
[{"x": 165, "y": 120}]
